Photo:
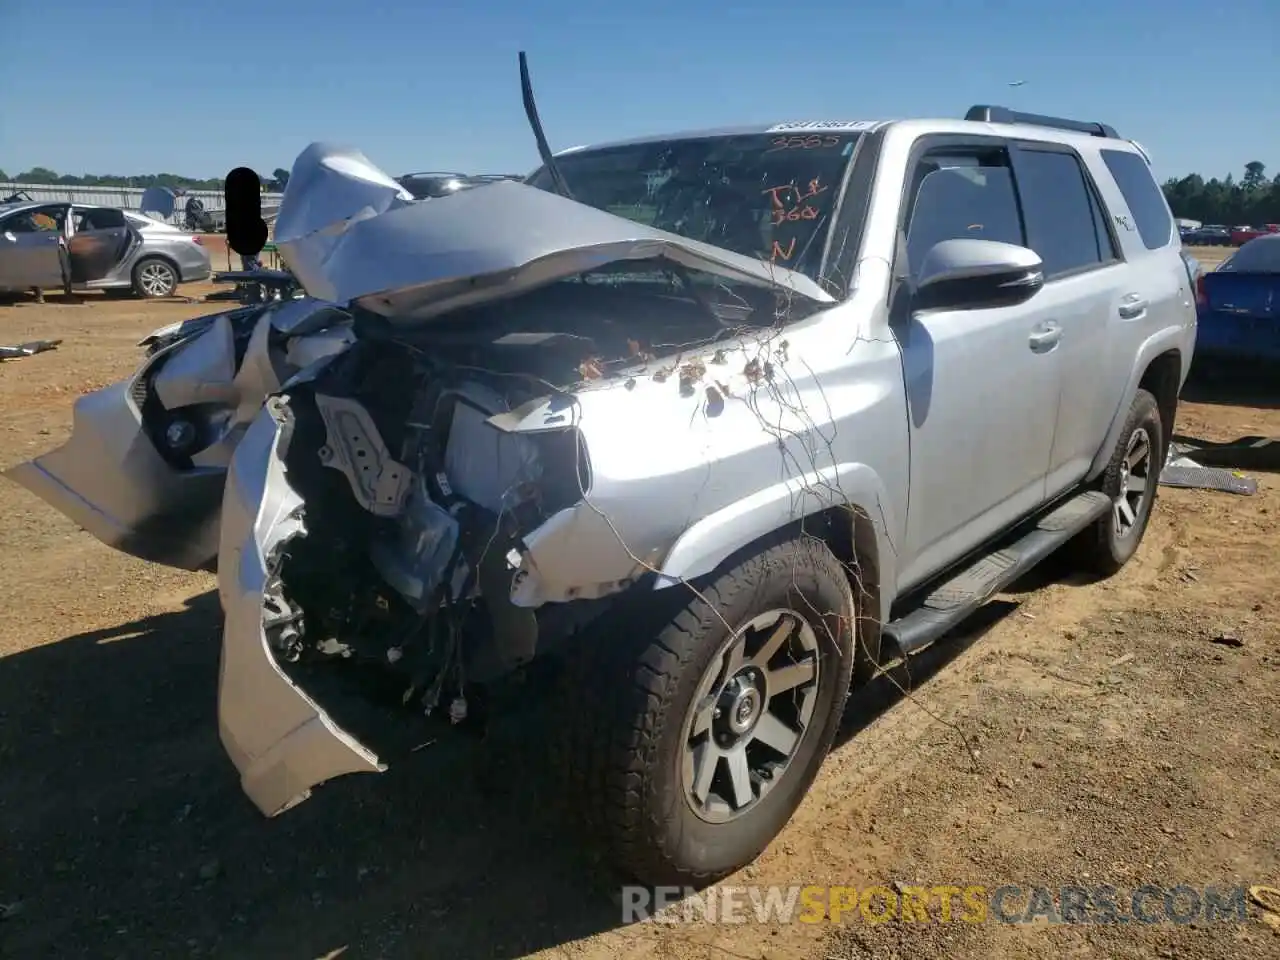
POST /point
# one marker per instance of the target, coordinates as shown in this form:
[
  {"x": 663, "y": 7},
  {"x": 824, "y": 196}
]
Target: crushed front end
[
  {"x": 372, "y": 538},
  {"x": 485, "y": 469}
]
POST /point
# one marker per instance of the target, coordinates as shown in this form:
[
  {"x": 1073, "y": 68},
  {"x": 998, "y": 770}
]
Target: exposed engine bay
[{"x": 417, "y": 501}]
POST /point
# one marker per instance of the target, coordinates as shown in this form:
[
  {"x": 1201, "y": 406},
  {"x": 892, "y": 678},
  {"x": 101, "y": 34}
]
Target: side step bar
[{"x": 962, "y": 594}]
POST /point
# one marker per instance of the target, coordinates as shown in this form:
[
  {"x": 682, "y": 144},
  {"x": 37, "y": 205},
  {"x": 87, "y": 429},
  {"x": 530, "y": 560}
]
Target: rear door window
[
  {"x": 1060, "y": 211},
  {"x": 1146, "y": 202},
  {"x": 101, "y": 218}
]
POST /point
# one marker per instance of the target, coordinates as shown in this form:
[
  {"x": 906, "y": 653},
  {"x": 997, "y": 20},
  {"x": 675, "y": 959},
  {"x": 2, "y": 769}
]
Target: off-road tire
[
  {"x": 628, "y": 693},
  {"x": 1099, "y": 548}
]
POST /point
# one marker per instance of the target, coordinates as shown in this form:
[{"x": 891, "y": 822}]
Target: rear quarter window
[{"x": 1146, "y": 203}]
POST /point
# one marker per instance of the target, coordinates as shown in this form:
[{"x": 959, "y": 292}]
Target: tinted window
[
  {"x": 961, "y": 197},
  {"x": 1058, "y": 212},
  {"x": 1146, "y": 203},
  {"x": 760, "y": 195},
  {"x": 1257, "y": 256},
  {"x": 101, "y": 218}
]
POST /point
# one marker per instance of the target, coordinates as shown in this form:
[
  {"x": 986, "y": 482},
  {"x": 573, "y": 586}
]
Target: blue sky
[{"x": 149, "y": 86}]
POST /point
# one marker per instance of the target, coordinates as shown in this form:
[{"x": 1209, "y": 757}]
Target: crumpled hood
[{"x": 351, "y": 234}]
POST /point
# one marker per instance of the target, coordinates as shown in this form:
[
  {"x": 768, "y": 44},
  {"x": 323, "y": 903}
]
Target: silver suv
[{"x": 712, "y": 424}]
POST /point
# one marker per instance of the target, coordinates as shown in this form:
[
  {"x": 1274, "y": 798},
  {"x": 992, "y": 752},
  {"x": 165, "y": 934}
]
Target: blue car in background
[{"x": 1238, "y": 305}]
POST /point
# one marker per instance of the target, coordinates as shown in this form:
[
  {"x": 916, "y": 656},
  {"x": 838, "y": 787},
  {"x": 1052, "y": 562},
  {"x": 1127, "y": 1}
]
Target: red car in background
[{"x": 1242, "y": 235}]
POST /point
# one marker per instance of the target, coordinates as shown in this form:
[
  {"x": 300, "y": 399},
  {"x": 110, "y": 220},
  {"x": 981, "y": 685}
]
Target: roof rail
[{"x": 985, "y": 114}]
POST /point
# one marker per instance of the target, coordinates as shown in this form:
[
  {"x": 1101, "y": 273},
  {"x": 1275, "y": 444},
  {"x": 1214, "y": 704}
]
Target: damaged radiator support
[{"x": 456, "y": 518}]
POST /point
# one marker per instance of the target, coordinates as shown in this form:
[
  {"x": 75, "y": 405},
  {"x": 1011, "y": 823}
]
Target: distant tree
[
  {"x": 38, "y": 175},
  {"x": 281, "y": 178},
  {"x": 1254, "y": 200},
  {"x": 1255, "y": 175},
  {"x": 43, "y": 175}
]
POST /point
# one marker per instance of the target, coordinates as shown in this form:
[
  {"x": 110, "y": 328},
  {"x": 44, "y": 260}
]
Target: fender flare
[
  {"x": 1160, "y": 342},
  {"x": 711, "y": 540}
]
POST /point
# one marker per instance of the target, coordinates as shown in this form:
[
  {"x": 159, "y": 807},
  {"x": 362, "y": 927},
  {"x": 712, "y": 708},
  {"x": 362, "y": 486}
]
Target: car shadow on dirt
[
  {"x": 126, "y": 834},
  {"x": 1233, "y": 385}
]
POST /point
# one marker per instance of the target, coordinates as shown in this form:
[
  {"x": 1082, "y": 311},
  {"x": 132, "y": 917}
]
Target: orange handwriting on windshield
[
  {"x": 787, "y": 201},
  {"x": 783, "y": 253}
]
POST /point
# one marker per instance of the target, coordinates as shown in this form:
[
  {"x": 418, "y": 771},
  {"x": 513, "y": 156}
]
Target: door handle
[
  {"x": 1045, "y": 337},
  {"x": 1132, "y": 307}
]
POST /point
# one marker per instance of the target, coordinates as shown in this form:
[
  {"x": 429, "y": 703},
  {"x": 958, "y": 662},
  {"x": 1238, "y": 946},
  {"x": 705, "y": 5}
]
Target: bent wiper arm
[{"x": 544, "y": 151}]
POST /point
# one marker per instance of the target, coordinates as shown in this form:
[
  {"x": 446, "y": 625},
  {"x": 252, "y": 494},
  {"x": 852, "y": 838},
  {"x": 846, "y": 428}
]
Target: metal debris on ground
[
  {"x": 27, "y": 349},
  {"x": 1181, "y": 471}
]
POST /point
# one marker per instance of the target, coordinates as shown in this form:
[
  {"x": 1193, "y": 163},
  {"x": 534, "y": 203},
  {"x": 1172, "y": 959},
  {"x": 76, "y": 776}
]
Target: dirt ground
[{"x": 1124, "y": 732}]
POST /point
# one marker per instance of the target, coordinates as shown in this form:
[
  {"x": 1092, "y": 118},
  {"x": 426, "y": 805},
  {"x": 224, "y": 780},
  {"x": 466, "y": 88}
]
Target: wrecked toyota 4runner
[{"x": 704, "y": 418}]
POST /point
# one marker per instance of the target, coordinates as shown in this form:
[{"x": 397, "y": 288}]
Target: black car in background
[{"x": 1208, "y": 236}]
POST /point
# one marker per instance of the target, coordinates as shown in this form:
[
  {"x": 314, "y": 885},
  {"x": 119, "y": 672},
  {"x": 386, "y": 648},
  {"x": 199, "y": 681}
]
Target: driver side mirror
[{"x": 970, "y": 274}]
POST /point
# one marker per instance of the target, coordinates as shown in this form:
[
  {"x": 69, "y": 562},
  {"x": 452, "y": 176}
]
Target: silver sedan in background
[{"x": 55, "y": 246}]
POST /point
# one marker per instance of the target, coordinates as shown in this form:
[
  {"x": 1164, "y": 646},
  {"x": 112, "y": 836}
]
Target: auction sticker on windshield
[{"x": 843, "y": 125}]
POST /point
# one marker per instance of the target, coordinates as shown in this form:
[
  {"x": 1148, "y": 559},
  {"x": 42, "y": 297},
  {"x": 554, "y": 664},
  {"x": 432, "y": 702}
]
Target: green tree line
[
  {"x": 1252, "y": 200},
  {"x": 45, "y": 176}
]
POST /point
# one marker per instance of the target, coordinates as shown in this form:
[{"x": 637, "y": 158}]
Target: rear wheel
[
  {"x": 154, "y": 278},
  {"x": 690, "y": 750},
  {"x": 1131, "y": 479}
]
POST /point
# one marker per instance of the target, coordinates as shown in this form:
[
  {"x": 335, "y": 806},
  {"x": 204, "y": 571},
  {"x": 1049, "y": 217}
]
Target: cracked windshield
[{"x": 766, "y": 196}]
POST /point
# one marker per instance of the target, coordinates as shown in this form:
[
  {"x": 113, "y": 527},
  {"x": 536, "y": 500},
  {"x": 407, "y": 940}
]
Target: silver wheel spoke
[
  {"x": 703, "y": 717},
  {"x": 785, "y": 628},
  {"x": 774, "y": 733},
  {"x": 706, "y": 758},
  {"x": 789, "y": 677},
  {"x": 740, "y": 776},
  {"x": 1138, "y": 453},
  {"x": 735, "y": 657},
  {"x": 1126, "y": 512}
]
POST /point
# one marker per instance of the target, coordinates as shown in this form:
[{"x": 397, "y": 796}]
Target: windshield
[{"x": 770, "y": 196}]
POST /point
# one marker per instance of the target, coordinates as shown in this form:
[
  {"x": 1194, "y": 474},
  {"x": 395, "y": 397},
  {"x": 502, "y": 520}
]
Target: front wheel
[
  {"x": 154, "y": 278},
  {"x": 693, "y": 748},
  {"x": 1131, "y": 479}
]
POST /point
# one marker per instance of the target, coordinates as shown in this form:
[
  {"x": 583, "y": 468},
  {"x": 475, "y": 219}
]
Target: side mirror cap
[{"x": 970, "y": 274}]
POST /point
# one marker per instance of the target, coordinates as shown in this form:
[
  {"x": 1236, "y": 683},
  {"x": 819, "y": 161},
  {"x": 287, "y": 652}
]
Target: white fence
[{"x": 128, "y": 198}]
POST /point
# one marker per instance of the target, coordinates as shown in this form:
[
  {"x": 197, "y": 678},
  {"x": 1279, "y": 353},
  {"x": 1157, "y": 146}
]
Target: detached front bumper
[
  {"x": 110, "y": 479},
  {"x": 280, "y": 740}
]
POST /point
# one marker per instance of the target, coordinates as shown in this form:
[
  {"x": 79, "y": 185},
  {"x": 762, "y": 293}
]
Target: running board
[{"x": 962, "y": 594}]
